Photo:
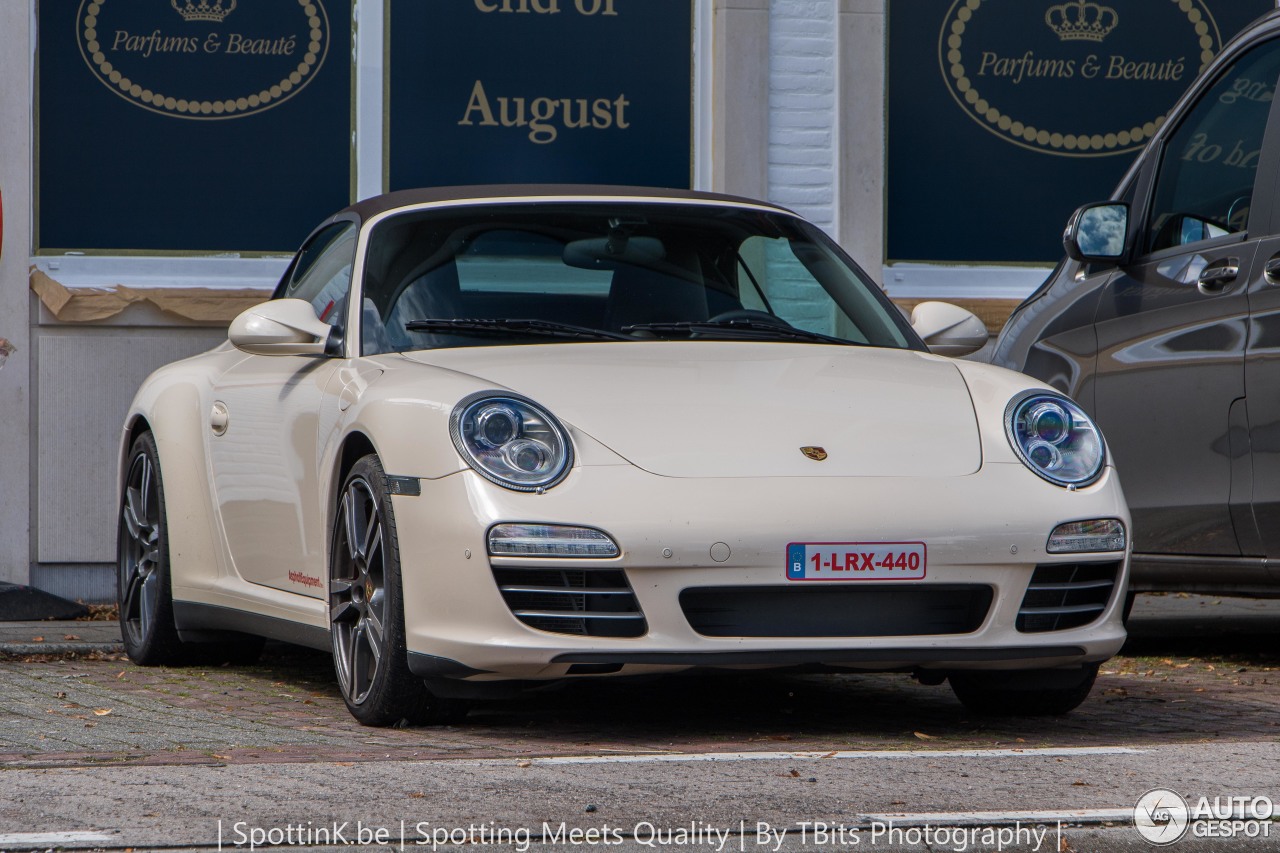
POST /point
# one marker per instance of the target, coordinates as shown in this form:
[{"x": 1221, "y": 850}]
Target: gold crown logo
[
  {"x": 1080, "y": 20},
  {"x": 204, "y": 10}
]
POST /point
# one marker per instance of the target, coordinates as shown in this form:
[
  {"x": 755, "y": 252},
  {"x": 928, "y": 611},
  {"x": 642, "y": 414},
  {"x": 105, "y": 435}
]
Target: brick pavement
[{"x": 92, "y": 709}]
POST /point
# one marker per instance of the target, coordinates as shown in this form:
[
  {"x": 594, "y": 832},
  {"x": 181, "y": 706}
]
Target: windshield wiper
[
  {"x": 507, "y": 326},
  {"x": 738, "y": 328}
]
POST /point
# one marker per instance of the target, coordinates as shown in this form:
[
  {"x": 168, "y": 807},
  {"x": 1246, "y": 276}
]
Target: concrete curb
[
  {"x": 56, "y": 637},
  {"x": 25, "y": 649}
]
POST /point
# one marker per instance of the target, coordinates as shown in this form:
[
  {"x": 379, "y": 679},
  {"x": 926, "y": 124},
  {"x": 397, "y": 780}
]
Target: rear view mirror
[
  {"x": 1098, "y": 232},
  {"x": 948, "y": 329},
  {"x": 608, "y": 253}
]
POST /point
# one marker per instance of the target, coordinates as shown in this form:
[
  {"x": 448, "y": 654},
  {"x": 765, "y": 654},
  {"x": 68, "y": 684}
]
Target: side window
[
  {"x": 1205, "y": 184},
  {"x": 322, "y": 274}
]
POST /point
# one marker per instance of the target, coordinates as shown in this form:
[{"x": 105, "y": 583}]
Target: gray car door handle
[
  {"x": 1272, "y": 270},
  {"x": 1218, "y": 275}
]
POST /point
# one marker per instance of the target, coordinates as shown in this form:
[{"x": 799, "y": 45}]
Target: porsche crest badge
[{"x": 817, "y": 454}]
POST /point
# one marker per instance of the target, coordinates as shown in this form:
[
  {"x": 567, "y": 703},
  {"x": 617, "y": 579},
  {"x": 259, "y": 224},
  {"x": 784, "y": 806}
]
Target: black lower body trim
[
  {"x": 430, "y": 666},
  {"x": 1255, "y": 576},
  {"x": 851, "y": 657},
  {"x": 209, "y": 622}
]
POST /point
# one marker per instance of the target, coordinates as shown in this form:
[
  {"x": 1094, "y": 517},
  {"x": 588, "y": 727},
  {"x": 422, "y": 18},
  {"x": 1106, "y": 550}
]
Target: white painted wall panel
[{"x": 87, "y": 377}]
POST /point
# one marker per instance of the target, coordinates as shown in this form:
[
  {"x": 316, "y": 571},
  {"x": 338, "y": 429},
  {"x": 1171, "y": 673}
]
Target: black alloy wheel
[
  {"x": 366, "y": 609},
  {"x": 143, "y": 590}
]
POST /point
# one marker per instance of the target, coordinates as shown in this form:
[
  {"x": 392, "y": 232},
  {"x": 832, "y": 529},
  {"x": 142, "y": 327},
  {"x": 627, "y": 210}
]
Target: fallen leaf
[
  {"x": 120, "y": 674},
  {"x": 37, "y": 639},
  {"x": 70, "y": 637},
  {"x": 524, "y": 763},
  {"x": 794, "y": 774},
  {"x": 101, "y": 712},
  {"x": 417, "y": 795},
  {"x": 1079, "y": 784},
  {"x": 924, "y": 736},
  {"x": 1020, "y": 740},
  {"x": 220, "y": 757}
]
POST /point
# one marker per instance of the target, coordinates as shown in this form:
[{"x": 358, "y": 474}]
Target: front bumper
[{"x": 985, "y": 531}]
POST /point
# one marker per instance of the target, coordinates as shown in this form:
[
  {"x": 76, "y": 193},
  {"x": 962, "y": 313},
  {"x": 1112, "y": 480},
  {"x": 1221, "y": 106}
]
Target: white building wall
[
  {"x": 802, "y": 108},
  {"x": 15, "y": 303}
]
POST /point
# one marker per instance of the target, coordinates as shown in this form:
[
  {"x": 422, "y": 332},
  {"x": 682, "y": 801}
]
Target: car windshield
[{"x": 624, "y": 272}]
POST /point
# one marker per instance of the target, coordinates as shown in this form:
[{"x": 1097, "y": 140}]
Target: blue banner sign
[
  {"x": 191, "y": 125},
  {"x": 540, "y": 91},
  {"x": 1005, "y": 115}
]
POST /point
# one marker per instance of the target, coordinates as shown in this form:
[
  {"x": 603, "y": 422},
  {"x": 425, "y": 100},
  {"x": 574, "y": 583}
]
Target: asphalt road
[{"x": 98, "y": 754}]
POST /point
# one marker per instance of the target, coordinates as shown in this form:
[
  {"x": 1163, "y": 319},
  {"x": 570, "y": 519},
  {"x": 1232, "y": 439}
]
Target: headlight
[
  {"x": 511, "y": 441},
  {"x": 1055, "y": 438}
]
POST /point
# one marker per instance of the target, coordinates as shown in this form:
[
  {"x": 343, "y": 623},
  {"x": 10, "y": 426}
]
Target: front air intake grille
[
  {"x": 1066, "y": 595},
  {"x": 880, "y": 610},
  {"x": 586, "y": 602}
]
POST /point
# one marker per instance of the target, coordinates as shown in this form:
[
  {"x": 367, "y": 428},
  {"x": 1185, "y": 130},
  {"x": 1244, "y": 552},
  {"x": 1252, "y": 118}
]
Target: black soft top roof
[{"x": 403, "y": 198}]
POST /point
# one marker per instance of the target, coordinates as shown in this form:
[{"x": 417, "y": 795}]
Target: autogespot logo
[{"x": 1161, "y": 816}]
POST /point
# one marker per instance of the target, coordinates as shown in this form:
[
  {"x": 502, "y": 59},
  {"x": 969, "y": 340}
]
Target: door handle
[
  {"x": 1271, "y": 272},
  {"x": 1218, "y": 275}
]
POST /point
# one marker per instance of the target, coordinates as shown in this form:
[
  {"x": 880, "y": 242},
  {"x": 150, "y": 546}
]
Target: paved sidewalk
[{"x": 1196, "y": 670}]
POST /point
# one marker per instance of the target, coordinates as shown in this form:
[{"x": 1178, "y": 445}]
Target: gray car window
[{"x": 1204, "y": 188}]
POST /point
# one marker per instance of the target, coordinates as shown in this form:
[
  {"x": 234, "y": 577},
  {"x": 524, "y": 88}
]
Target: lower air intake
[
  {"x": 585, "y": 602},
  {"x": 1066, "y": 595},
  {"x": 882, "y": 610}
]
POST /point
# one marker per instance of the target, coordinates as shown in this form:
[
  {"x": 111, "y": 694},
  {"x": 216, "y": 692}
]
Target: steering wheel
[{"x": 749, "y": 314}]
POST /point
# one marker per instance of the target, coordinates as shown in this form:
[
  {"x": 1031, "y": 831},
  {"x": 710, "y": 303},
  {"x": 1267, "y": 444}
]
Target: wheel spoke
[
  {"x": 132, "y": 521},
  {"x": 345, "y": 613},
  {"x": 359, "y": 662},
  {"x": 130, "y": 604},
  {"x": 150, "y": 593},
  {"x": 349, "y": 510},
  {"x": 145, "y": 486},
  {"x": 373, "y": 632},
  {"x": 340, "y": 586},
  {"x": 372, "y": 534},
  {"x": 149, "y": 560}
]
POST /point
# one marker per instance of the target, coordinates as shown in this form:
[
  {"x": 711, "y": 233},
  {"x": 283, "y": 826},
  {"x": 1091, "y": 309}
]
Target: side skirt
[{"x": 203, "y": 623}]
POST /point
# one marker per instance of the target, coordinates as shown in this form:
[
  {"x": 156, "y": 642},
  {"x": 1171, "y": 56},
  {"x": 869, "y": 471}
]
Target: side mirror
[
  {"x": 1098, "y": 232},
  {"x": 948, "y": 329},
  {"x": 280, "y": 327}
]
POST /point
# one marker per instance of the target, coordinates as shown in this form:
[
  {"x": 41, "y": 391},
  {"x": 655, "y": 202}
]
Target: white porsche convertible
[{"x": 486, "y": 437}]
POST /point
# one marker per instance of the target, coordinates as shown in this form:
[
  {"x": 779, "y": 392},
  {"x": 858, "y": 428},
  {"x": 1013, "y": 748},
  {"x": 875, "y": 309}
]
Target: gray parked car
[{"x": 1164, "y": 323}]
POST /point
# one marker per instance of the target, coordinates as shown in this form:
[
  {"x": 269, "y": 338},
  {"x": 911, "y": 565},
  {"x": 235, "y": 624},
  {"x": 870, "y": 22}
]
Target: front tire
[
  {"x": 366, "y": 609},
  {"x": 1024, "y": 693},
  {"x": 144, "y": 591}
]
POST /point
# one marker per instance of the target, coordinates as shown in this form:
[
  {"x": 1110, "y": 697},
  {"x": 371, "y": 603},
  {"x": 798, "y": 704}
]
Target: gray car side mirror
[{"x": 1098, "y": 232}]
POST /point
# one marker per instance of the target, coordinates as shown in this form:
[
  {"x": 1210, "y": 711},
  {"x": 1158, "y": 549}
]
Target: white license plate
[{"x": 855, "y": 561}]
